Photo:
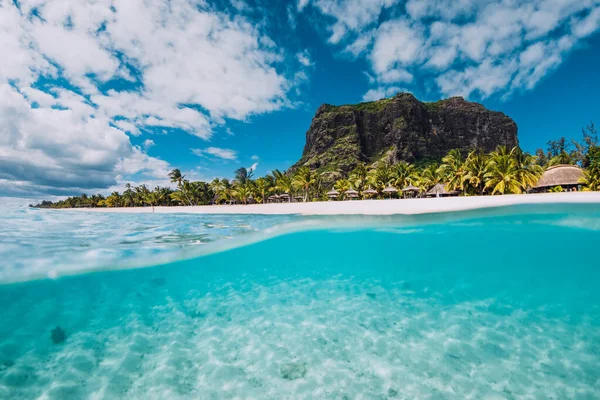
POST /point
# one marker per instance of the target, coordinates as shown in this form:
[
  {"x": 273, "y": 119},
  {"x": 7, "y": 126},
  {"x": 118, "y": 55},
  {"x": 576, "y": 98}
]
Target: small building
[
  {"x": 411, "y": 191},
  {"x": 439, "y": 190},
  {"x": 351, "y": 194},
  {"x": 566, "y": 176},
  {"x": 333, "y": 194}
]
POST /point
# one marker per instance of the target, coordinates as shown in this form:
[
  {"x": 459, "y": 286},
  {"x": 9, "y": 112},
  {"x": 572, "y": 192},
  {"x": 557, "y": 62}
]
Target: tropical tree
[
  {"x": 179, "y": 197},
  {"x": 452, "y": 170},
  {"x": 141, "y": 192},
  {"x": 283, "y": 183},
  {"x": 128, "y": 196},
  {"x": 475, "y": 168},
  {"x": 358, "y": 178},
  {"x": 429, "y": 177},
  {"x": 404, "y": 174},
  {"x": 303, "y": 179},
  {"x": 529, "y": 170},
  {"x": 502, "y": 174},
  {"x": 177, "y": 177},
  {"x": 341, "y": 186},
  {"x": 591, "y": 179},
  {"x": 242, "y": 193},
  {"x": 243, "y": 176},
  {"x": 154, "y": 197},
  {"x": 591, "y": 175},
  {"x": 381, "y": 176},
  {"x": 261, "y": 188}
]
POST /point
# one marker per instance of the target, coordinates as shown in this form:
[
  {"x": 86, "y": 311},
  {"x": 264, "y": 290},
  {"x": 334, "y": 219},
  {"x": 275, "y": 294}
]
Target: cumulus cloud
[
  {"x": 467, "y": 47},
  {"x": 254, "y": 164},
  {"x": 382, "y": 92},
  {"x": 79, "y": 76},
  {"x": 304, "y": 58},
  {"x": 148, "y": 143},
  {"x": 225, "y": 154}
]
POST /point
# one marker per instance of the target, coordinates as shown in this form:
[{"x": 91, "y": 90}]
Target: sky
[{"x": 98, "y": 93}]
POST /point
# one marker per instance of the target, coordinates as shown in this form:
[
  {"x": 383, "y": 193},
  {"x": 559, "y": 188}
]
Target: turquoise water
[{"x": 491, "y": 304}]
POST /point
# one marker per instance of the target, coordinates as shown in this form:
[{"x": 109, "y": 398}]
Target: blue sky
[{"x": 96, "y": 94}]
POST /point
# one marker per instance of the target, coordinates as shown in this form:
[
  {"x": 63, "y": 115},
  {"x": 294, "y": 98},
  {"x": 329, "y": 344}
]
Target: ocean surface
[{"x": 491, "y": 304}]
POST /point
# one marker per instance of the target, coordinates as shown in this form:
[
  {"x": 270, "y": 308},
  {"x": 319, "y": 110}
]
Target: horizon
[{"x": 97, "y": 95}]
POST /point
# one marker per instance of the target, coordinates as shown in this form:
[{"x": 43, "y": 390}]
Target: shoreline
[{"x": 367, "y": 207}]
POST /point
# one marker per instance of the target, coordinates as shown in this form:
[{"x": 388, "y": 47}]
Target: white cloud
[
  {"x": 350, "y": 15},
  {"x": 304, "y": 58},
  {"x": 381, "y": 92},
  {"x": 467, "y": 47},
  {"x": 191, "y": 66},
  {"x": 253, "y": 167},
  {"x": 255, "y": 164},
  {"x": 225, "y": 154},
  {"x": 302, "y": 4},
  {"x": 148, "y": 143}
]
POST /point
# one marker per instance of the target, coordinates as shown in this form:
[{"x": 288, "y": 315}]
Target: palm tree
[
  {"x": 242, "y": 192},
  {"x": 154, "y": 197},
  {"x": 429, "y": 177},
  {"x": 591, "y": 178},
  {"x": 529, "y": 169},
  {"x": 404, "y": 174},
  {"x": 283, "y": 183},
  {"x": 502, "y": 175},
  {"x": 304, "y": 179},
  {"x": 129, "y": 196},
  {"x": 358, "y": 178},
  {"x": 319, "y": 185},
  {"x": 177, "y": 177},
  {"x": 179, "y": 197},
  {"x": 381, "y": 176},
  {"x": 141, "y": 193},
  {"x": 341, "y": 186},
  {"x": 452, "y": 170},
  {"x": 243, "y": 176},
  {"x": 261, "y": 188},
  {"x": 226, "y": 193},
  {"x": 475, "y": 168}
]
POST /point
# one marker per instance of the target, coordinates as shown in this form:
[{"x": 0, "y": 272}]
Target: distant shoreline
[{"x": 367, "y": 207}]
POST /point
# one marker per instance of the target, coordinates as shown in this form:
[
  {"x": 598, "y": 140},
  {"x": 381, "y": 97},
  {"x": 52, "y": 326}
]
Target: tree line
[{"x": 502, "y": 171}]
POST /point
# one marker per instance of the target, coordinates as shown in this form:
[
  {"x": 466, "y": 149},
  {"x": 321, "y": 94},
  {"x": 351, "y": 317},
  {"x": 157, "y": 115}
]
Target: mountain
[{"x": 401, "y": 128}]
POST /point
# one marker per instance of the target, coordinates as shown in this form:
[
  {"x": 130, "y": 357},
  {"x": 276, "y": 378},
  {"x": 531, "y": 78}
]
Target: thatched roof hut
[
  {"x": 411, "y": 188},
  {"x": 439, "y": 190},
  {"x": 351, "y": 193},
  {"x": 370, "y": 192},
  {"x": 390, "y": 189},
  {"x": 567, "y": 176},
  {"x": 436, "y": 190},
  {"x": 333, "y": 193}
]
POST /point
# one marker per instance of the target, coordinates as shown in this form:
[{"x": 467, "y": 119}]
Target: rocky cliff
[{"x": 401, "y": 128}]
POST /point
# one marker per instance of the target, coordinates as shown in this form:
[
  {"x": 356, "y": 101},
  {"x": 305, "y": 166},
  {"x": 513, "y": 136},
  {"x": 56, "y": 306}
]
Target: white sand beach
[{"x": 372, "y": 207}]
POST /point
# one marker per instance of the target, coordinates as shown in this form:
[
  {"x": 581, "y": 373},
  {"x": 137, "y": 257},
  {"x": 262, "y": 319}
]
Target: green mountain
[{"x": 401, "y": 128}]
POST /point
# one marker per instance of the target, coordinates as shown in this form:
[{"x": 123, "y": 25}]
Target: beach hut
[
  {"x": 565, "y": 176},
  {"x": 351, "y": 194},
  {"x": 370, "y": 192},
  {"x": 333, "y": 194},
  {"x": 284, "y": 197},
  {"x": 298, "y": 199},
  {"x": 410, "y": 191},
  {"x": 439, "y": 190},
  {"x": 390, "y": 190}
]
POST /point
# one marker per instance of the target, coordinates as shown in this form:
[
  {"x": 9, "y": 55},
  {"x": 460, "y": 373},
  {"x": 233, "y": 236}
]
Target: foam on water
[{"x": 498, "y": 305}]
